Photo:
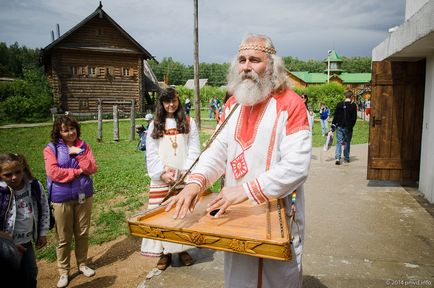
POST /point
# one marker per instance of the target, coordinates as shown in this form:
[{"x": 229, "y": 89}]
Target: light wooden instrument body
[{"x": 244, "y": 228}]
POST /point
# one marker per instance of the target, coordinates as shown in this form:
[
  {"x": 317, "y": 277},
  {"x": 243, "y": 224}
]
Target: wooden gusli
[{"x": 258, "y": 231}]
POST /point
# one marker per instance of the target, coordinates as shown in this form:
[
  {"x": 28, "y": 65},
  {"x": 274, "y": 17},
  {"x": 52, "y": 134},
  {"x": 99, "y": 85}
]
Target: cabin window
[
  {"x": 74, "y": 70},
  {"x": 100, "y": 31},
  {"x": 83, "y": 104},
  {"x": 125, "y": 71},
  {"x": 334, "y": 65},
  {"x": 110, "y": 71},
  {"x": 91, "y": 71}
]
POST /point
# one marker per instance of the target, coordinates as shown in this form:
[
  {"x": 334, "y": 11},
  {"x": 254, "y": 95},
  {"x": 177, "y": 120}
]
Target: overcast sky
[{"x": 305, "y": 29}]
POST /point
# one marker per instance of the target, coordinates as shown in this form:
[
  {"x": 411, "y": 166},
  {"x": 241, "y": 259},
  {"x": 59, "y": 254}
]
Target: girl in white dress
[{"x": 172, "y": 145}]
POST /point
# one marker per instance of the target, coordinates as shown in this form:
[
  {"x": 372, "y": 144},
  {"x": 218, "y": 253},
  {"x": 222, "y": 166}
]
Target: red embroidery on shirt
[
  {"x": 290, "y": 102},
  {"x": 239, "y": 166},
  {"x": 248, "y": 122}
]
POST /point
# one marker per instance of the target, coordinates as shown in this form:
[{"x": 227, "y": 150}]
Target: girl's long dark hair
[{"x": 182, "y": 125}]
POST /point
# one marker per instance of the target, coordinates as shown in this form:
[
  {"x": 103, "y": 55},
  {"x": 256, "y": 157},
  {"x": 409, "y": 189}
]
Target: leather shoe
[
  {"x": 185, "y": 259},
  {"x": 164, "y": 261}
]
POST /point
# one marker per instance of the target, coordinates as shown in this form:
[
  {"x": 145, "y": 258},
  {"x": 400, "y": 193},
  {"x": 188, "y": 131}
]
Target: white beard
[{"x": 250, "y": 89}]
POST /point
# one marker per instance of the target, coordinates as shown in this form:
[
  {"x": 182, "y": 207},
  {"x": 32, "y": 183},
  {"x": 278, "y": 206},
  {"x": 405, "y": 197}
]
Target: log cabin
[{"x": 98, "y": 60}]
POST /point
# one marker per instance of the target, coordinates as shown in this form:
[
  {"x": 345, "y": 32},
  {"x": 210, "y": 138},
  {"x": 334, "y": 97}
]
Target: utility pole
[
  {"x": 328, "y": 65},
  {"x": 196, "y": 65}
]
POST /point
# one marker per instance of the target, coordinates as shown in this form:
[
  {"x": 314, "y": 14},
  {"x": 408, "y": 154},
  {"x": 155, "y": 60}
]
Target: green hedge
[
  {"x": 26, "y": 100},
  {"x": 330, "y": 93}
]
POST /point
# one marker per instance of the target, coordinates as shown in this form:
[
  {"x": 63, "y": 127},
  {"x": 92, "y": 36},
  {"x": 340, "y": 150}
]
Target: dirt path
[{"x": 118, "y": 264}]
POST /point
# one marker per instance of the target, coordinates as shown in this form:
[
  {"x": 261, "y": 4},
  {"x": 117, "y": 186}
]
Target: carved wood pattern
[
  {"x": 244, "y": 246},
  {"x": 197, "y": 238},
  {"x": 153, "y": 232}
]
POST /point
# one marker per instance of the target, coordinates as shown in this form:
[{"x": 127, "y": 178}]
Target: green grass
[
  {"x": 360, "y": 134},
  {"x": 121, "y": 181}
]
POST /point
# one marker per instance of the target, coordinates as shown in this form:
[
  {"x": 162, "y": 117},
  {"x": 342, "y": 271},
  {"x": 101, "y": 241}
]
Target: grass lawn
[{"x": 121, "y": 181}]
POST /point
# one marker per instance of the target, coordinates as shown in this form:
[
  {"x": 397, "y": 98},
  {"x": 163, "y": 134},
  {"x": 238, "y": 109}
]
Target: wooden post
[
  {"x": 133, "y": 120},
  {"x": 115, "y": 123},
  {"x": 196, "y": 65},
  {"x": 99, "y": 137}
]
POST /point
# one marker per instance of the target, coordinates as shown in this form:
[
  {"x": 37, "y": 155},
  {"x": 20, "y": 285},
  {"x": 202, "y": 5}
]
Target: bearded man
[{"x": 264, "y": 150}]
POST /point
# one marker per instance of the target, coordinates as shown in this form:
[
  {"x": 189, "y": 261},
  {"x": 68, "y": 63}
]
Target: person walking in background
[
  {"x": 69, "y": 163},
  {"x": 343, "y": 121},
  {"x": 324, "y": 114},
  {"x": 311, "y": 118},
  {"x": 24, "y": 217},
  {"x": 148, "y": 118},
  {"x": 264, "y": 150},
  {"x": 187, "y": 106},
  {"x": 142, "y": 132},
  {"x": 172, "y": 145},
  {"x": 368, "y": 107},
  {"x": 212, "y": 107}
]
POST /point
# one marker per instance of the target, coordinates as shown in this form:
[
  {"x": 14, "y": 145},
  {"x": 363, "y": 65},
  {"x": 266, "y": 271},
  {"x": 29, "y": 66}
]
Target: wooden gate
[{"x": 396, "y": 120}]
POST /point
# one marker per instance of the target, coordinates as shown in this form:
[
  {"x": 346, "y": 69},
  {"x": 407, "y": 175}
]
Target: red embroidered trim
[
  {"x": 199, "y": 179},
  {"x": 257, "y": 190},
  {"x": 272, "y": 141},
  {"x": 245, "y": 134},
  {"x": 290, "y": 102},
  {"x": 252, "y": 193}
]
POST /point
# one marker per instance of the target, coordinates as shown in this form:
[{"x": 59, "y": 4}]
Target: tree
[
  {"x": 330, "y": 94},
  {"x": 14, "y": 59},
  {"x": 356, "y": 64}
]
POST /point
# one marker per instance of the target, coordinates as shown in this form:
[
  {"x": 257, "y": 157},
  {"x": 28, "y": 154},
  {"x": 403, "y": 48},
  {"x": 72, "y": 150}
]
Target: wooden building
[
  {"x": 401, "y": 133},
  {"x": 97, "y": 59},
  {"x": 357, "y": 82}
]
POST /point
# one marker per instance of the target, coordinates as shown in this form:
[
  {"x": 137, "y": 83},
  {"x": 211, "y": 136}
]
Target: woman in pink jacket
[{"x": 69, "y": 162}]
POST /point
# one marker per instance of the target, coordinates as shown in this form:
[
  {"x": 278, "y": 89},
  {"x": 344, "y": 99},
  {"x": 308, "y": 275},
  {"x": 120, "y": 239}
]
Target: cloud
[{"x": 302, "y": 29}]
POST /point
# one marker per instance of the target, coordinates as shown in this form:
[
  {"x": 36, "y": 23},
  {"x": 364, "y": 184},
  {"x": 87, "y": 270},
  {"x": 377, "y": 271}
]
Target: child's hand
[
  {"x": 168, "y": 175},
  {"x": 333, "y": 127},
  {"x": 20, "y": 248},
  {"x": 74, "y": 150},
  {"x": 42, "y": 241},
  {"x": 167, "y": 178}
]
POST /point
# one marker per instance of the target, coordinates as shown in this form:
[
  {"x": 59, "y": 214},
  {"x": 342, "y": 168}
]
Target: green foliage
[
  {"x": 356, "y": 64},
  {"x": 330, "y": 94},
  {"x": 177, "y": 73},
  {"x": 15, "y": 59},
  {"x": 294, "y": 64},
  {"x": 206, "y": 93},
  {"x": 26, "y": 100}
]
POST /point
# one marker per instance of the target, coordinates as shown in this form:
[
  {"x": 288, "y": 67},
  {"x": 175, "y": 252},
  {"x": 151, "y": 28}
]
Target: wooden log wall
[{"x": 97, "y": 61}]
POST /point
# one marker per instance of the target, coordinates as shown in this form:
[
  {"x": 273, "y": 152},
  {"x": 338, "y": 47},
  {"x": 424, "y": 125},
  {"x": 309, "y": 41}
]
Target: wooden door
[{"x": 396, "y": 120}]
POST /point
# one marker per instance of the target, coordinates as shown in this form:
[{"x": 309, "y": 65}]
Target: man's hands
[
  {"x": 187, "y": 199},
  {"x": 228, "y": 196},
  {"x": 184, "y": 201}
]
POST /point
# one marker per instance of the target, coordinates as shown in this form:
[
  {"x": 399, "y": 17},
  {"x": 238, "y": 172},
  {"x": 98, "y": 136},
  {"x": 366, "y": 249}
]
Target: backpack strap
[
  {"x": 5, "y": 204},
  {"x": 35, "y": 190},
  {"x": 54, "y": 148}
]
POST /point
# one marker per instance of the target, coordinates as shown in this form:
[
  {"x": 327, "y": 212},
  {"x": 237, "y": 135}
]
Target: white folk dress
[
  {"x": 266, "y": 148},
  {"x": 164, "y": 152}
]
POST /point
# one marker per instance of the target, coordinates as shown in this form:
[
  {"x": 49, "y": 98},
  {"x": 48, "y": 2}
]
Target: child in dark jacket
[{"x": 24, "y": 215}]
